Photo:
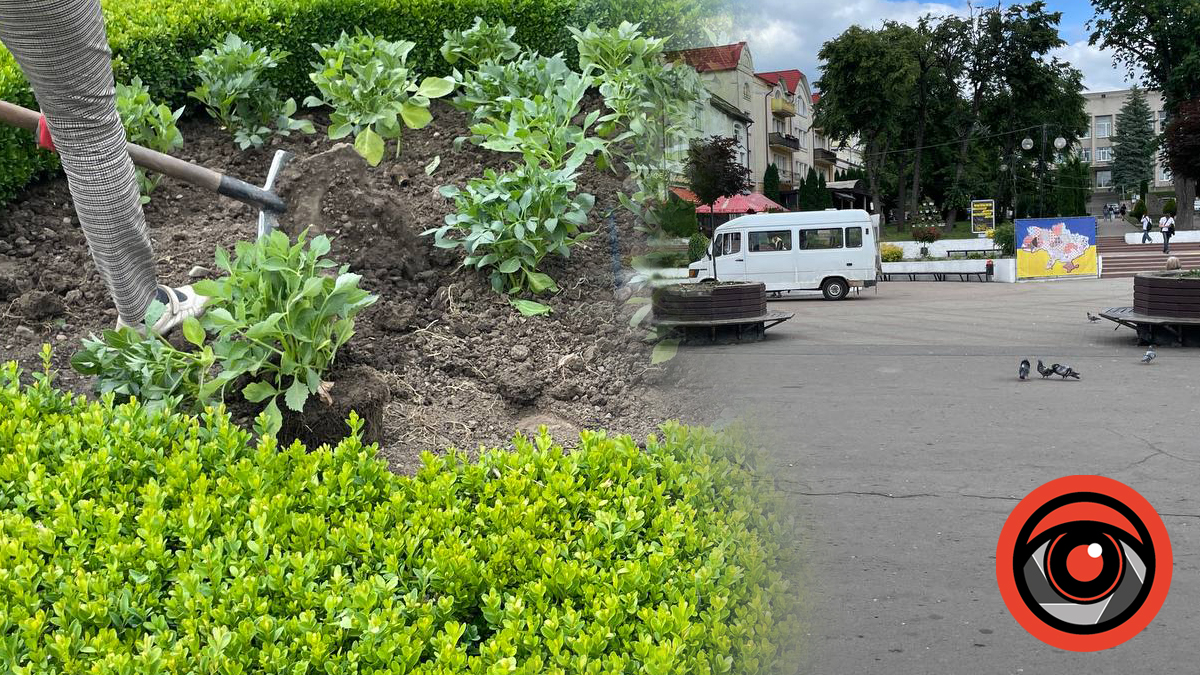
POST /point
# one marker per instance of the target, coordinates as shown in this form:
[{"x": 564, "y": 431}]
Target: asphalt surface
[{"x": 898, "y": 427}]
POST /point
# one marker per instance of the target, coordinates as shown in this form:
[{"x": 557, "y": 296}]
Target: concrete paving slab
[{"x": 897, "y": 426}]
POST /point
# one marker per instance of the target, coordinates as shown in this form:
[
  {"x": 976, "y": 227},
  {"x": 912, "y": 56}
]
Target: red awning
[{"x": 754, "y": 201}]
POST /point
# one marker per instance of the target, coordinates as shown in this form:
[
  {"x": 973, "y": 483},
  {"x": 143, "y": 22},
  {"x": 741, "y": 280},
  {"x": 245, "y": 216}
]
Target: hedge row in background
[
  {"x": 137, "y": 543},
  {"x": 156, "y": 40}
]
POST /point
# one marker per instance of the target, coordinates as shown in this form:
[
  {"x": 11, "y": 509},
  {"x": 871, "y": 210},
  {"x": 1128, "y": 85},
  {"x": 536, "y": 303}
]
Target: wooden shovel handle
[{"x": 165, "y": 164}]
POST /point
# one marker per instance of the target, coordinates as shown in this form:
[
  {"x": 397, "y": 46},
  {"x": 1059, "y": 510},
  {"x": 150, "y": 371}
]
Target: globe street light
[
  {"x": 1027, "y": 144},
  {"x": 1060, "y": 143}
]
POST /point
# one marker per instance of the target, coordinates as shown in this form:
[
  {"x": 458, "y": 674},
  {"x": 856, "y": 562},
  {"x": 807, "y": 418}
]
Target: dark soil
[
  {"x": 360, "y": 389},
  {"x": 463, "y": 368}
]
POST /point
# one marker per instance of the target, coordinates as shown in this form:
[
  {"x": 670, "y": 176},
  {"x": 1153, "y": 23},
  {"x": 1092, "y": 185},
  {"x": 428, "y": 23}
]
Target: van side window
[
  {"x": 774, "y": 240},
  {"x": 731, "y": 242},
  {"x": 854, "y": 237},
  {"x": 829, "y": 237}
]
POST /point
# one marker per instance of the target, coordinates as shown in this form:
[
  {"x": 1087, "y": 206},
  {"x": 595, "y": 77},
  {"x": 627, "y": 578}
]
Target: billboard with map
[{"x": 1056, "y": 247}]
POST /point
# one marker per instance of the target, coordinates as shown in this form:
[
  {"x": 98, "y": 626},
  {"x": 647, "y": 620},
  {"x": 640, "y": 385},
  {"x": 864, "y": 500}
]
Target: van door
[
  {"x": 860, "y": 257},
  {"x": 770, "y": 258},
  {"x": 729, "y": 256},
  {"x": 821, "y": 255}
]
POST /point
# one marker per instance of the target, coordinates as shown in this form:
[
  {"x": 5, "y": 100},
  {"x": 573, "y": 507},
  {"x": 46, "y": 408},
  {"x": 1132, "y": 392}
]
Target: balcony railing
[
  {"x": 783, "y": 141},
  {"x": 783, "y": 107},
  {"x": 823, "y": 155},
  {"x": 786, "y": 176}
]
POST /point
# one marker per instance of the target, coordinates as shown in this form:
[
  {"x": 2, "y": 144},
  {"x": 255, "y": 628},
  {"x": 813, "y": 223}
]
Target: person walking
[
  {"x": 1146, "y": 223},
  {"x": 62, "y": 48},
  {"x": 1166, "y": 224}
]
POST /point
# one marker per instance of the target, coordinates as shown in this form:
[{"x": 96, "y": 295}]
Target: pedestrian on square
[
  {"x": 1146, "y": 223},
  {"x": 1167, "y": 225}
]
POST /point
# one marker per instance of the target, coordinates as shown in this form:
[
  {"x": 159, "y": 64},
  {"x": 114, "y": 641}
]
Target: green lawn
[{"x": 961, "y": 230}]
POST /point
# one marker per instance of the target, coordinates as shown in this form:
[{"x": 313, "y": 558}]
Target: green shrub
[
  {"x": 677, "y": 217},
  {"x": 235, "y": 91},
  {"x": 373, "y": 92},
  {"x": 481, "y": 43},
  {"x": 1139, "y": 210},
  {"x": 1168, "y": 207},
  {"x": 697, "y": 246},
  {"x": 890, "y": 253},
  {"x": 149, "y": 124},
  {"x": 150, "y": 542},
  {"x": 1004, "y": 237}
]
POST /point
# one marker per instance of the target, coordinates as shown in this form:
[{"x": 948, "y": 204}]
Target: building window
[
  {"x": 1104, "y": 154},
  {"x": 739, "y": 134},
  {"x": 1164, "y": 174},
  {"x": 1104, "y": 126},
  {"x": 803, "y": 137},
  {"x": 766, "y": 242},
  {"x": 746, "y": 91},
  {"x": 1086, "y": 155},
  {"x": 1103, "y": 179}
]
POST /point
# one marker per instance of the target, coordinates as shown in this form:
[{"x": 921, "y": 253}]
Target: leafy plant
[
  {"x": 622, "y": 59},
  {"x": 697, "y": 246},
  {"x": 1168, "y": 207},
  {"x": 373, "y": 92},
  {"x": 149, "y": 124},
  {"x": 1005, "y": 239},
  {"x": 890, "y": 253},
  {"x": 492, "y": 90},
  {"x": 178, "y": 544},
  {"x": 280, "y": 316},
  {"x": 481, "y": 43},
  {"x": 926, "y": 235},
  {"x": 151, "y": 369},
  {"x": 1139, "y": 210},
  {"x": 507, "y": 222},
  {"x": 235, "y": 90}
]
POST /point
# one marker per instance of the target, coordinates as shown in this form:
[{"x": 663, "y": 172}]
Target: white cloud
[{"x": 785, "y": 34}]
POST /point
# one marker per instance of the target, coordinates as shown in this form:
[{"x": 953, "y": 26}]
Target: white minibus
[{"x": 831, "y": 251}]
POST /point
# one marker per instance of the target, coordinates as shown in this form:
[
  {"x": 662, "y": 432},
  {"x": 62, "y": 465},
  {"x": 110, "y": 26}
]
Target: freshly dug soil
[
  {"x": 463, "y": 368},
  {"x": 360, "y": 389}
]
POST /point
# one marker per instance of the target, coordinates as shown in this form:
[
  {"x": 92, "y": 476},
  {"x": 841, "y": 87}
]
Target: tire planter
[
  {"x": 1166, "y": 294},
  {"x": 710, "y": 302}
]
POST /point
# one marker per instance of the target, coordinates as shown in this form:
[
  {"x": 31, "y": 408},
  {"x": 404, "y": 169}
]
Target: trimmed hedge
[
  {"x": 156, "y": 39},
  {"x": 136, "y": 542}
]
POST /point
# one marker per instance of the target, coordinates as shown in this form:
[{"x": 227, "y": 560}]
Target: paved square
[{"x": 897, "y": 425}]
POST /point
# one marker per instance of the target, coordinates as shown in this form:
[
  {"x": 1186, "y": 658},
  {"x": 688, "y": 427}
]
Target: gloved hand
[{"x": 43, "y": 135}]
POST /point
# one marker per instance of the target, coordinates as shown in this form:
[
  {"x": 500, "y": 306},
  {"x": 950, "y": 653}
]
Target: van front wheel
[{"x": 835, "y": 289}]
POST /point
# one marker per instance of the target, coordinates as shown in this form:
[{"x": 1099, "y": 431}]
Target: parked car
[{"x": 831, "y": 251}]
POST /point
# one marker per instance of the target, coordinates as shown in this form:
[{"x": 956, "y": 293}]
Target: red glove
[{"x": 43, "y": 135}]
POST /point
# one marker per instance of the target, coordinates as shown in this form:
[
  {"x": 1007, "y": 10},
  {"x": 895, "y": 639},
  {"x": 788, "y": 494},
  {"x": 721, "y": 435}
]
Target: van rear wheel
[{"x": 835, "y": 289}]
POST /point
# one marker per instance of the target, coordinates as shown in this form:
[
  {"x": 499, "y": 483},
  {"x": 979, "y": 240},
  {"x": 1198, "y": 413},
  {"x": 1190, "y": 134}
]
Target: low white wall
[
  {"x": 1005, "y": 271},
  {"x": 1156, "y": 236},
  {"x": 947, "y": 266},
  {"x": 938, "y": 249}
]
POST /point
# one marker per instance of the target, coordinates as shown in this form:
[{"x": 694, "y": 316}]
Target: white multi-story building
[{"x": 1096, "y": 143}]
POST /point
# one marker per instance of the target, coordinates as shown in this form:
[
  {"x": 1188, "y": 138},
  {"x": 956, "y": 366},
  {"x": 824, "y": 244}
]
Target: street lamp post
[{"x": 1027, "y": 144}]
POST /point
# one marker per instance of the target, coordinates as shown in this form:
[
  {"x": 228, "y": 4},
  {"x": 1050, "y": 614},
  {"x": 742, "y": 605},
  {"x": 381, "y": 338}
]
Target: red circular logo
[{"x": 1083, "y": 563}]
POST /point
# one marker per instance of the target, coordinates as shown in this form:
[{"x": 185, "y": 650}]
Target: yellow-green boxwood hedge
[
  {"x": 150, "y": 543},
  {"x": 156, "y": 40}
]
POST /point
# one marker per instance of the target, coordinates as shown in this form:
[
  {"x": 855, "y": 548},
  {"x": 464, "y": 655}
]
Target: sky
[{"x": 785, "y": 34}]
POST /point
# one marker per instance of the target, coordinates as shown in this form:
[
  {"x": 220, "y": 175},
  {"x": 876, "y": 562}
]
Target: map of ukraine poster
[{"x": 1056, "y": 247}]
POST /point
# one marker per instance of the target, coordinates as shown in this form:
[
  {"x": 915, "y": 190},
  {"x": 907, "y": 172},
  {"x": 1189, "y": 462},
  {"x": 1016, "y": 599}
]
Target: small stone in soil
[
  {"x": 24, "y": 333},
  {"x": 519, "y": 352},
  {"x": 198, "y": 272},
  {"x": 74, "y": 296}
]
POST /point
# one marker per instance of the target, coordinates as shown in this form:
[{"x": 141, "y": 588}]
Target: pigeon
[
  {"x": 1092, "y": 317},
  {"x": 1023, "y": 371},
  {"x": 1043, "y": 370},
  {"x": 1149, "y": 355},
  {"x": 1064, "y": 371}
]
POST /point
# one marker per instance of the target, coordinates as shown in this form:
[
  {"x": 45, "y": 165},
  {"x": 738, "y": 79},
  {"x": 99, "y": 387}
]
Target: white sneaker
[{"x": 182, "y": 303}]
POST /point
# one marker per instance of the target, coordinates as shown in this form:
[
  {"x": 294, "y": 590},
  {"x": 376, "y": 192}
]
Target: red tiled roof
[
  {"x": 706, "y": 59},
  {"x": 791, "y": 78}
]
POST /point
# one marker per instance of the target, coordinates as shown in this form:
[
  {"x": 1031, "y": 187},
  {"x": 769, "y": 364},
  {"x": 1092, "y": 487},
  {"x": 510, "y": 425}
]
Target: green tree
[
  {"x": 824, "y": 199},
  {"x": 713, "y": 171},
  {"x": 1134, "y": 144},
  {"x": 1072, "y": 186},
  {"x": 771, "y": 183},
  {"x": 1183, "y": 141},
  {"x": 809, "y": 197},
  {"x": 1158, "y": 39}
]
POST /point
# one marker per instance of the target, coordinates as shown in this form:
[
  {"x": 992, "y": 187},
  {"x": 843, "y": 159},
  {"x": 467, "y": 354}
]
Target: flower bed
[{"x": 153, "y": 542}]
